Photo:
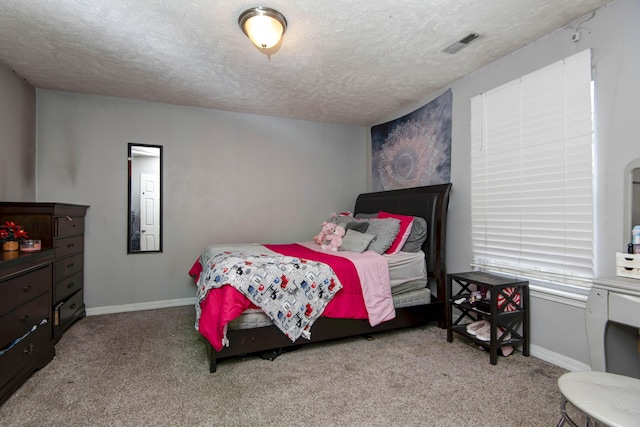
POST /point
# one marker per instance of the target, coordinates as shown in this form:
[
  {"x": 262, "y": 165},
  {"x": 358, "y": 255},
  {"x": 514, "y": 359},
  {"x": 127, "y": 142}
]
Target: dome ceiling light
[{"x": 264, "y": 26}]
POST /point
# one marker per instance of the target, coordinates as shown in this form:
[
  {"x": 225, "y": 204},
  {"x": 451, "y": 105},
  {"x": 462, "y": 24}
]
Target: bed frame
[{"x": 430, "y": 202}]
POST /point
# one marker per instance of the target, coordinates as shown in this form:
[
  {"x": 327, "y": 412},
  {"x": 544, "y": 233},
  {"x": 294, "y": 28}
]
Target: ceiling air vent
[{"x": 463, "y": 42}]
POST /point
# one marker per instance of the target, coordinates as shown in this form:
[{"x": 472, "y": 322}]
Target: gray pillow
[
  {"x": 385, "y": 230},
  {"x": 417, "y": 236},
  {"x": 341, "y": 220},
  {"x": 350, "y": 223},
  {"x": 355, "y": 241},
  {"x": 367, "y": 215},
  {"x": 360, "y": 226}
]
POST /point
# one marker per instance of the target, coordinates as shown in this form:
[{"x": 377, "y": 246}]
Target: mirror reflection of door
[
  {"x": 145, "y": 199},
  {"x": 149, "y": 212}
]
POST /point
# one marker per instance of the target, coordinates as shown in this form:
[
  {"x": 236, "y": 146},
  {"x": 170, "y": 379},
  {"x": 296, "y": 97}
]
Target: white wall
[
  {"x": 228, "y": 177},
  {"x": 17, "y": 138},
  {"x": 612, "y": 35}
]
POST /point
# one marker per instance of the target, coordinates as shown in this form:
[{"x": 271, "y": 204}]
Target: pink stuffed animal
[
  {"x": 335, "y": 239},
  {"x": 327, "y": 229}
]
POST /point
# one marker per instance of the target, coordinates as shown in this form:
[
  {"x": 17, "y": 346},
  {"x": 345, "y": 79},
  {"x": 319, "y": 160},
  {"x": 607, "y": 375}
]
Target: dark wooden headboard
[{"x": 429, "y": 202}]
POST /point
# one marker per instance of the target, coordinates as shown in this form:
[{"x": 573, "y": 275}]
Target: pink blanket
[{"x": 366, "y": 292}]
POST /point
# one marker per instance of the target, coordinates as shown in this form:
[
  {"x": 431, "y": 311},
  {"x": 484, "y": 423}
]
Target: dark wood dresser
[
  {"x": 25, "y": 314},
  {"x": 61, "y": 226}
]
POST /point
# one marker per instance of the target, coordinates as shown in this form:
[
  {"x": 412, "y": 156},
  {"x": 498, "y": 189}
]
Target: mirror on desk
[
  {"x": 144, "y": 230},
  {"x": 631, "y": 198}
]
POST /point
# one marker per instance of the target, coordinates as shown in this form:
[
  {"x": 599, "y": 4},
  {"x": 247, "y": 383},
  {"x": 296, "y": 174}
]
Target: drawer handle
[
  {"x": 72, "y": 306},
  {"x": 70, "y": 245},
  {"x": 27, "y": 288},
  {"x": 28, "y": 349},
  {"x": 25, "y": 317},
  {"x": 69, "y": 265},
  {"x": 68, "y": 218},
  {"x": 70, "y": 285}
]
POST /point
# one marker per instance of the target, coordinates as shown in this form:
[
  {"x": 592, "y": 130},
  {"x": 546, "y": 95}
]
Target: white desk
[{"x": 614, "y": 299}]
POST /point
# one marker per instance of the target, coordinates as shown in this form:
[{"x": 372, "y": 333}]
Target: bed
[{"x": 414, "y": 301}]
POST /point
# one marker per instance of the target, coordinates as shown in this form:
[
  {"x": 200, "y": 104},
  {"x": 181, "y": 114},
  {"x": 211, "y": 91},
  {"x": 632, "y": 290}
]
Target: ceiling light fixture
[{"x": 264, "y": 26}]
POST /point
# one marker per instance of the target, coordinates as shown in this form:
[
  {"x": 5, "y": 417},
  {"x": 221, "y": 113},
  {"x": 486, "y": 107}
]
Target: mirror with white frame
[
  {"x": 144, "y": 231},
  {"x": 631, "y": 198}
]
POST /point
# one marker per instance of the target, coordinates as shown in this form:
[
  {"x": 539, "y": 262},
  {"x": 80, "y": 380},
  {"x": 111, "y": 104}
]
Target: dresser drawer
[
  {"x": 19, "y": 321},
  {"x": 24, "y": 353},
  {"x": 21, "y": 289},
  {"x": 69, "y": 226},
  {"x": 68, "y": 266},
  {"x": 67, "y": 287},
  {"x": 69, "y": 308},
  {"x": 69, "y": 246}
]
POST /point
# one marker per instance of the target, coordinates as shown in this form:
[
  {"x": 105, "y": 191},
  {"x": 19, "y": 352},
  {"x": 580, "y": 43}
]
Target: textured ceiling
[{"x": 352, "y": 62}]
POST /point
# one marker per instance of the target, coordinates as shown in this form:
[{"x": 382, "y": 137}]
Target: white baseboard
[
  {"x": 557, "y": 359},
  {"x": 140, "y": 306}
]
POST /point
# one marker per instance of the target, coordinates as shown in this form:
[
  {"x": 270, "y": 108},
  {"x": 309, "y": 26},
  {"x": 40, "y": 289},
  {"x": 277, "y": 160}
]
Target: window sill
[{"x": 562, "y": 294}]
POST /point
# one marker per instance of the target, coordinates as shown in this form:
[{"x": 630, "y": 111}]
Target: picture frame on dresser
[{"x": 59, "y": 226}]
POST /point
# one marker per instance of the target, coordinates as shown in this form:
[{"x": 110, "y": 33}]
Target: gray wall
[
  {"x": 558, "y": 323},
  {"x": 17, "y": 138},
  {"x": 228, "y": 177}
]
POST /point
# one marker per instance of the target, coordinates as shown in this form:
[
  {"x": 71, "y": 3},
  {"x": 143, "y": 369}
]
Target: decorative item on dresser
[
  {"x": 26, "y": 343},
  {"x": 11, "y": 234},
  {"x": 60, "y": 226}
]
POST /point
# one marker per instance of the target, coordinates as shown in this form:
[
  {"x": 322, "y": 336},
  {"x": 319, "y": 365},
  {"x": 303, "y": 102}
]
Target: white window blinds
[{"x": 532, "y": 174}]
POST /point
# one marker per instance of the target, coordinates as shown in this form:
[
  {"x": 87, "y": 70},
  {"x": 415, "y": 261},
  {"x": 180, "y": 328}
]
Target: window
[{"x": 532, "y": 175}]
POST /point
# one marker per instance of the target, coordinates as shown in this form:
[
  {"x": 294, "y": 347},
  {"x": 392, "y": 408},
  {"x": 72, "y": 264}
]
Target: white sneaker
[
  {"x": 484, "y": 334},
  {"x": 473, "y": 328}
]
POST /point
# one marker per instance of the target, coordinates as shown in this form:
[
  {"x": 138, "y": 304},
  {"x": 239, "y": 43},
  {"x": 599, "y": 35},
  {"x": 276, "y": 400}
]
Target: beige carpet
[{"x": 149, "y": 369}]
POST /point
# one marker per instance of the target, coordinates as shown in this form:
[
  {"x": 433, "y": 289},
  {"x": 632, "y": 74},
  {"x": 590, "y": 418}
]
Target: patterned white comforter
[{"x": 293, "y": 292}]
